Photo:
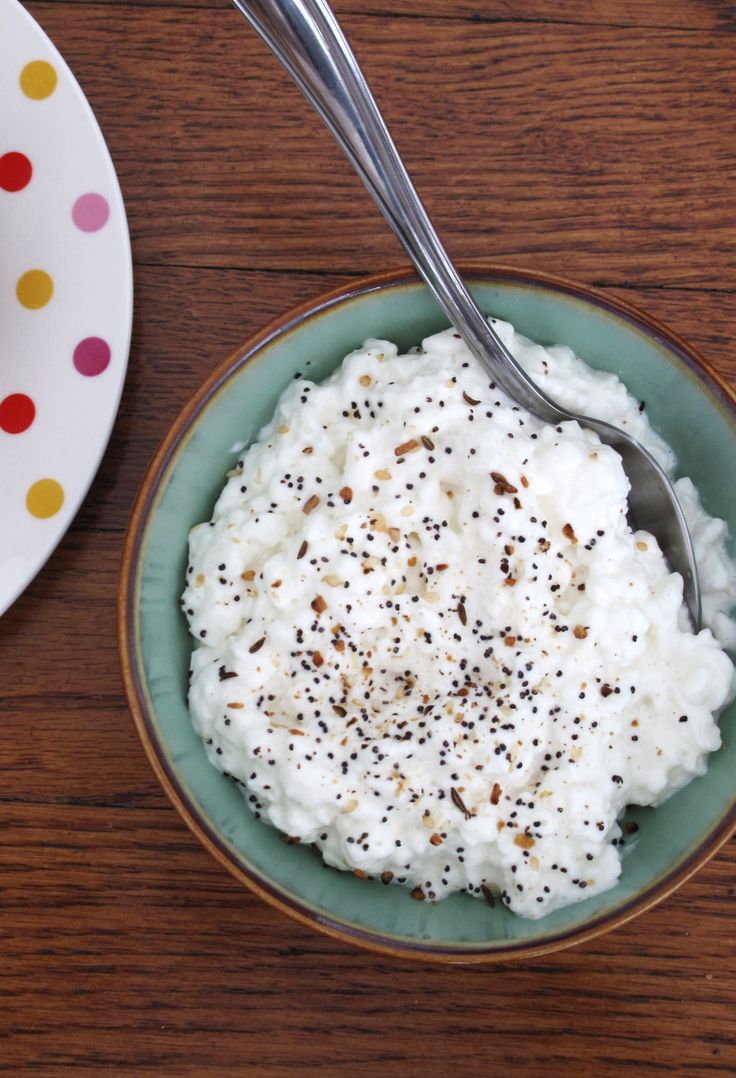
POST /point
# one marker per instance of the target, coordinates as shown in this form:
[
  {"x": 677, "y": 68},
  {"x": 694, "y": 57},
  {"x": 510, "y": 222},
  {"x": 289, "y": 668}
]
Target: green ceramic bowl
[{"x": 690, "y": 407}]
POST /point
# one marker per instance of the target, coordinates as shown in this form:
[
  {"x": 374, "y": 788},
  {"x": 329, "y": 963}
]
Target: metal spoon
[{"x": 307, "y": 39}]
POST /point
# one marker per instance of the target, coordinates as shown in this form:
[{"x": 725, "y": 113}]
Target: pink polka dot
[
  {"x": 91, "y": 356},
  {"x": 90, "y": 212}
]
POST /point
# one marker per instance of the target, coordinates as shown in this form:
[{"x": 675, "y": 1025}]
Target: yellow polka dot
[
  {"x": 38, "y": 80},
  {"x": 44, "y": 498},
  {"x": 34, "y": 289}
]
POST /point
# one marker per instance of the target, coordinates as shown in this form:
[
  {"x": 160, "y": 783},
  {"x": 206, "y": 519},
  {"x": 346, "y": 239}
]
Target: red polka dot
[
  {"x": 91, "y": 356},
  {"x": 15, "y": 171},
  {"x": 17, "y": 412}
]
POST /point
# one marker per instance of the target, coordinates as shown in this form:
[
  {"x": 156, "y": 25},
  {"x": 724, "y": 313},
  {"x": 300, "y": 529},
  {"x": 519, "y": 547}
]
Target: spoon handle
[{"x": 307, "y": 39}]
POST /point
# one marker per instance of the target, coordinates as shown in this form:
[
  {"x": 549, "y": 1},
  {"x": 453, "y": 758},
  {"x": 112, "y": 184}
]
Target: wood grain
[
  {"x": 683, "y": 14},
  {"x": 576, "y": 149},
  {"x": 591, "y": 139},
  {"x": 131, "y": 950}
]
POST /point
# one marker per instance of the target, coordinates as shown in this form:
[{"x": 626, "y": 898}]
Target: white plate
[{"x": 66, "y": 298}]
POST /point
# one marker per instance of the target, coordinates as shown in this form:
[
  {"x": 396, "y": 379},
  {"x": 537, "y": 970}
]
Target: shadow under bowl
[{"x": 693, "y": 410}]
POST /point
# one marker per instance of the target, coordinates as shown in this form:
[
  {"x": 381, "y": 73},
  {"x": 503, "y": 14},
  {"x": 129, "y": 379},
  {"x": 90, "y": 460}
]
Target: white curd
[{"x": 428, "y": 641}]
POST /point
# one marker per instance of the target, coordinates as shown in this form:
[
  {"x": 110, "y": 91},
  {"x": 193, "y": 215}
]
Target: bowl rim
[{"x": 133, "y": 679}]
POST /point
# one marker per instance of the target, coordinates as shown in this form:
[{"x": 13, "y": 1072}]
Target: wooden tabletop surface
[{"x": 590, "y": 138}]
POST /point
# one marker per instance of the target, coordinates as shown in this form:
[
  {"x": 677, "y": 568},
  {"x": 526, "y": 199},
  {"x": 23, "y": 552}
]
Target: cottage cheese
[{"x": 429, "y": 643}]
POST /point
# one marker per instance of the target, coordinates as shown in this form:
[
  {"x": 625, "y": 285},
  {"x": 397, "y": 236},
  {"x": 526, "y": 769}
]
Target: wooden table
[{"x": 589, "y": 138}]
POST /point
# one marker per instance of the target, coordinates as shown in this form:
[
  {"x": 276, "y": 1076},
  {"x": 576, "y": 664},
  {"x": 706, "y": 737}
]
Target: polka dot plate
[{"x": 66, "y": 298}]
